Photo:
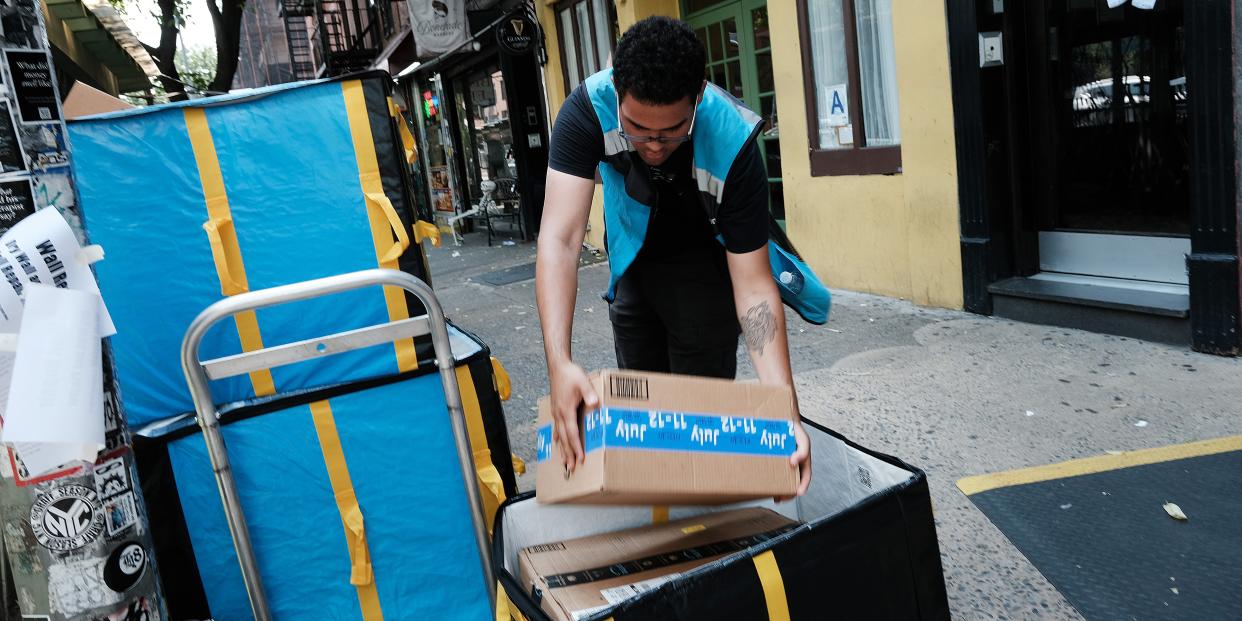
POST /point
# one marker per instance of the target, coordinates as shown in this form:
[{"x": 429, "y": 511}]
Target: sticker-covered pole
[{"x": 77, "y": 538}]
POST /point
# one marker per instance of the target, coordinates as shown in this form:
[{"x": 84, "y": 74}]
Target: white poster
[
  {"x": 42, "y": 249},
  {"x": 439, "y": 25},
  {"x": 55, "y": 412}
]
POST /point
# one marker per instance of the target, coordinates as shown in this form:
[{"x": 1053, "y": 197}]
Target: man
[{"x": 670, "y": 148}]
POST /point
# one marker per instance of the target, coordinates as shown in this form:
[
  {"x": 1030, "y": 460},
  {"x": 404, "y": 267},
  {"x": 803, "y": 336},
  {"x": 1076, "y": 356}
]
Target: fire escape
[{"x": 335, "y": 37}]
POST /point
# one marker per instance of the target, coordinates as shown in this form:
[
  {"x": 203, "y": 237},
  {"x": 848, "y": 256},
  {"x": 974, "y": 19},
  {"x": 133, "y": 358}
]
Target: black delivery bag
[{"x": 867, "y": 549}]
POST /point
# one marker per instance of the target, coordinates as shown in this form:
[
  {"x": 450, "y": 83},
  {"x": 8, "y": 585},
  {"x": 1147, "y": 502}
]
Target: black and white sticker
[
  {"x": 66, "y": 517},
  {"x": 125, "y": 567},
  {"x": 111, "y": 478}
]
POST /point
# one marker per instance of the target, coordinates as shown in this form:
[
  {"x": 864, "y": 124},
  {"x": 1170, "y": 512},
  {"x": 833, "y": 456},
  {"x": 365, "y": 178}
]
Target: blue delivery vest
[{"x": 723, "y": 127}]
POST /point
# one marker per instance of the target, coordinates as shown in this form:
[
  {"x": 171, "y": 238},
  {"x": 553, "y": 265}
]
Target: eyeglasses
[{"x": 636, "y": 139}]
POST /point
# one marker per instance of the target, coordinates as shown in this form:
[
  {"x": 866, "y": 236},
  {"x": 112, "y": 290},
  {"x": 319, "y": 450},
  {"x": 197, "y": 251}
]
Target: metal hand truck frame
[{"x": 199, "y": 372}]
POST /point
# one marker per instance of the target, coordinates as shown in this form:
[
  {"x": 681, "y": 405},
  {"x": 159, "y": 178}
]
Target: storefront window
[
  {"x": 438, "y": 174},
  {"x": 852, "y": 86},
  {"x": 587, "y": 31},
  {"x": 493, "y": 133}
]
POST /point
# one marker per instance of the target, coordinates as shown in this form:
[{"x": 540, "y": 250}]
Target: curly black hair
[{"x": 659, "y": 61}]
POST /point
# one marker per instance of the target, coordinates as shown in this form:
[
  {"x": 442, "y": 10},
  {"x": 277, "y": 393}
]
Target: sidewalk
[{"x": 952, "y": 393}]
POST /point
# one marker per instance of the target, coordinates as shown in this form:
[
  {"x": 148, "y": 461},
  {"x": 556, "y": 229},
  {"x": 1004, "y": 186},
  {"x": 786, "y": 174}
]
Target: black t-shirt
[{"x": 679, "y": 221}]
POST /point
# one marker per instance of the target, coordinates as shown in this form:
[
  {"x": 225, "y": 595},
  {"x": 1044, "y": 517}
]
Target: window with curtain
[
  {"x": 587, "y": 32},
  {"x": 850, "y": 74}
]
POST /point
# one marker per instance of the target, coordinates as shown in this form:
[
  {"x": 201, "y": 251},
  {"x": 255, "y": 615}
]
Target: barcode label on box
[
  {"x": 616, "y": 595},
  {"x": 578, "y": 615},
  {"x": 547, "y": 547},
  {"x": 628, "y": 387}
]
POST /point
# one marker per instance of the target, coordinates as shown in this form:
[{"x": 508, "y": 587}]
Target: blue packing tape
[{"x": 679, "y": 431}]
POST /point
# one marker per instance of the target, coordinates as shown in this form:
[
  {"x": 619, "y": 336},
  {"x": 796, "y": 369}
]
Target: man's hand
[
  {"x": 570, "y": 390},
  {"x": 801, "y": 459},
  {"x": 566, "y": 205}
]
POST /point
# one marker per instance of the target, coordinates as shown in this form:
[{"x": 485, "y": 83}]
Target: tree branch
[
  {"x": 165, "y": 55},
  {"x": 226, "y": 19}
]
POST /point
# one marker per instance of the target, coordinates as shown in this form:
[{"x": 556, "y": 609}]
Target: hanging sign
[
  {"x": 516, "y": 35},
  {"x": 438, "y": 25}
]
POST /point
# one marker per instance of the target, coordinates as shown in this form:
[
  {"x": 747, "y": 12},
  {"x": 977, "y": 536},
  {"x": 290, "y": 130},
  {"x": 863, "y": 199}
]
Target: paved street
[{"x": 952, "y": 393}]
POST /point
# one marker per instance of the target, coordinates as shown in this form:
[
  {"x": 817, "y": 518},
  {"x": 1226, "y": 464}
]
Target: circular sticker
[
  {"x": 125, "y": 566},
  {"x": 66, "y": 517}
]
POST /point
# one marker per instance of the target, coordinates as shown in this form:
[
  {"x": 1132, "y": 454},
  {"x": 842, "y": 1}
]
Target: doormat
[
  {"x": 509, "y": 275},
  {"x": 1102, "y": 531}
]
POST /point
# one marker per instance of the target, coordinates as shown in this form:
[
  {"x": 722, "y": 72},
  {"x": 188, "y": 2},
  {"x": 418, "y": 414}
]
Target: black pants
[{"x": 676, "y": 315}]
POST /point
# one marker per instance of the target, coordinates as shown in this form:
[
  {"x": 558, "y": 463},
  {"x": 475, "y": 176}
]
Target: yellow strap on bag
[
  {"x": 407, "y": 138},
  {"x": 491, "y": 486},
  {"x": 223, "y": 241},
  {"x": 225, "y": 251},
  {"x": 659, "y": 514},
  {"x": 380, "y": 201},
  {"x": 504, "y": 387},
  {"x": 426, "y": 230},
  {"x": 361, "y": 575},
  {"x": 773, "y": 586},
  {"x": 382, "y": 217},
  {"x": 506, "y": 610}
]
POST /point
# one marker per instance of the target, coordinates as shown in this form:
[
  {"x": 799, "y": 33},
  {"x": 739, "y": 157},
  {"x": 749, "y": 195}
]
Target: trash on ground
[{"x": 1174, "y": 511}]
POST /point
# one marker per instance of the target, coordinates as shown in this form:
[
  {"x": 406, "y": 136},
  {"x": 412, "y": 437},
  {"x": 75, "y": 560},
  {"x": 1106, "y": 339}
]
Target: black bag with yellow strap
[{"x": 865, "y": 548}]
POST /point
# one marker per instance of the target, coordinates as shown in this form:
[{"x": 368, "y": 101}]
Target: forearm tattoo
[{"x": 759, "y": 326}]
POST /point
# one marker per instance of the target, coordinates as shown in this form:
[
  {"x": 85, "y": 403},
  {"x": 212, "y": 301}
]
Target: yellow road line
[{"x": 1103, "y": 463}]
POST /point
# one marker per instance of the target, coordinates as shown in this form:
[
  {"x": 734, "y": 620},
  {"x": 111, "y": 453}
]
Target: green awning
[{"x": 99, "y": 30}]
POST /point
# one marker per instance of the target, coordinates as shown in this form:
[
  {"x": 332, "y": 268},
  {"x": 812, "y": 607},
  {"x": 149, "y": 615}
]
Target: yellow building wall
[
  {"x": 895, "y": 235},
  {"x": 628, "y": 12}
]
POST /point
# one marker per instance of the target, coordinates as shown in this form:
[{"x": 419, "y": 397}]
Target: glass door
[
  {"x": 1110, "y": 180},
  {"x": 739, "y": 60}
]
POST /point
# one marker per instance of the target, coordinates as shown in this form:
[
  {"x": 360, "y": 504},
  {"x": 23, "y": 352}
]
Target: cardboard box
[
  {"x": 85, "y": 100},
  {"x": 576, "y": 578},
  {"x": 669, "y": 439}
]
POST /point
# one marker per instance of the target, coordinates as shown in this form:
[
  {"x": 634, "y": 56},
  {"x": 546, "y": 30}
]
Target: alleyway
[{"x": 952, "y": 393}]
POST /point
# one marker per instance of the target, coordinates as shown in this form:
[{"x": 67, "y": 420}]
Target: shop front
[
  {"x": 1096, "y": 149},
  {"x": 481, "y": 126},
  {"x": 1047, "y": 161}
]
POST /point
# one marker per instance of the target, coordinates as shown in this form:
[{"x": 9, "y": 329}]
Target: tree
[
  {"x": 197, "y": 67},
  {"x": 170, "y": 16},
  {"x": 226, "y": 18}
]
